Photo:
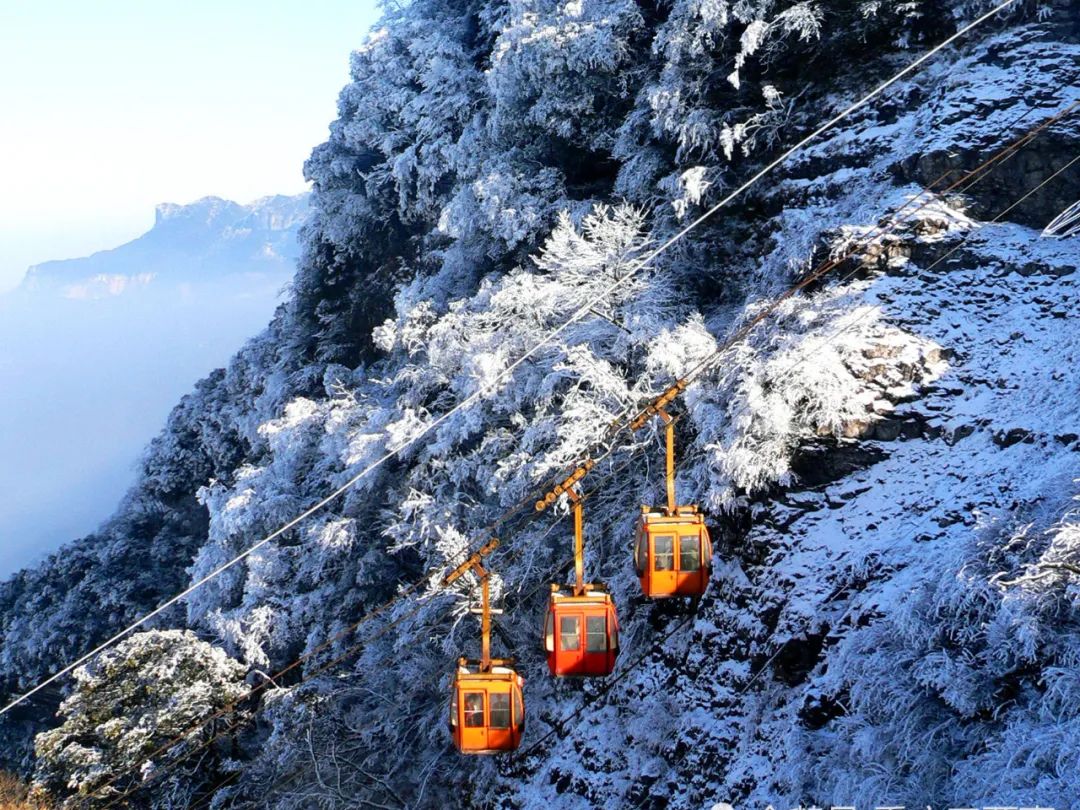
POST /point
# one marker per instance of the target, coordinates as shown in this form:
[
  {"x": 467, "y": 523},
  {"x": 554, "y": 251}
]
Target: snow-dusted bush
[{"x": 137, "y": 698}]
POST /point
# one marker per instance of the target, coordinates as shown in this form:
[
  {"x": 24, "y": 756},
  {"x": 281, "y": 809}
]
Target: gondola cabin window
[
  {"x": 689, "y": 553},
  {"x": 664, "y": 553},
  {"x": 641, "y": 552},
  {"x": 569, "y": 635},
  {"x": 474, "y": 709},
  {"x": 596, "y": 635},
  {"x": 500, "y": 710}
]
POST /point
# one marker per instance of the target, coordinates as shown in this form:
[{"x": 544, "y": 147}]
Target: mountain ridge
[{"x": 200, "y": 240}]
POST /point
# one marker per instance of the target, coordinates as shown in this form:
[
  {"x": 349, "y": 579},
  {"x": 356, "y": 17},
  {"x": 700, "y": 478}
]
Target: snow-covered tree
[
  {"x": 131, "y": 717},
  {"x": 868, "y": 456}
]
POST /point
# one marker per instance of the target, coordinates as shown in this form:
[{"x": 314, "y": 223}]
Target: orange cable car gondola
[
  {"x": 487, "y": 709},
  {"x": 672, "y": 548},
  {"x": 581, "y": 627}
]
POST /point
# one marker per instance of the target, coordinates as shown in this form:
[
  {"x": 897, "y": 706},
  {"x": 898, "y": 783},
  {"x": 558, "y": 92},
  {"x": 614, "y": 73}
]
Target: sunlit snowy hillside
[{"x": 890, "y": 462}]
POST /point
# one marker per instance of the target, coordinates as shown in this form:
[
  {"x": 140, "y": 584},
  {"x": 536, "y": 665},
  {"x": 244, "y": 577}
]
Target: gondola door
[
  {"x": 688, "y": 561},
  {"x": 664, "y": 577},
  {"x": 571, "y": 648},
  {"x": 500, "y": 735},
  {"x": 471, "y": 713}
]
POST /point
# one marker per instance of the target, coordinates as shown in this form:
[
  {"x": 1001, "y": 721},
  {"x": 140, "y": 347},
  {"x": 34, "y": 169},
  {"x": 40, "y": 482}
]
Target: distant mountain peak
[
  {"x": 206, "y": 209},
  {"x": 208, "y": 238}
]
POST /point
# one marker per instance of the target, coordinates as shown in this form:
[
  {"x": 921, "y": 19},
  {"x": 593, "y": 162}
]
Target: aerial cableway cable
[
  {"x": 977, "y": 173},
  {"x": 307, "y": 676},
  {"x": 560, "y": 726},
  {"x": 970, "y": 179},
  {"x": 973, "y": 176},
  {"x": 489, "y": 386}
]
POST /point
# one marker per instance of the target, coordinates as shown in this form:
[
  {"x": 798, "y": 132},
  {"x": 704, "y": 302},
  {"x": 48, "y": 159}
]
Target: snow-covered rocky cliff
[{"x": 889, "y": 462}]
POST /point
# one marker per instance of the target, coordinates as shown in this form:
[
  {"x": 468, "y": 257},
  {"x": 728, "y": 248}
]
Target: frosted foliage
[
  {"x": 886, "y": 462},
  {"x": 913, "y": 684},
  {"x": 129, "y": 703},
  {"x": 558, "y": 66},
  {"x": 703, "y": 38},
  {"x": 818, "y": 372},
  {"x": 689, "y": 188}
]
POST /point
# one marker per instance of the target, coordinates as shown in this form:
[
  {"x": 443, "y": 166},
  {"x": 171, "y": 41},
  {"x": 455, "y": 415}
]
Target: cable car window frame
[
  {"x": 641, "y": 550},
  {"x": 503, "y": 712},
  {"x": 549, "y": 632},
  {"x": 591, "y": 634},
  {"x": 519, "y": 710},
  {"x": 454, "y": 708},
  {"x": 690, "y": 542},
  {"x": 668, "y": 555},
  {"x": 471, "y": 713},
  {"x": 564, "y": 636}
]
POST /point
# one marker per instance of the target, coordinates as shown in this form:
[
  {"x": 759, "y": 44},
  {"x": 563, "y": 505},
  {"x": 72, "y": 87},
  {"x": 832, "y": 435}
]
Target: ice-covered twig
[{"x": 1065, "y": 224}]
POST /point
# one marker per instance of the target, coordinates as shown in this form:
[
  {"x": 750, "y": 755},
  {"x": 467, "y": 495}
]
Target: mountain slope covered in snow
[{"x": 889, "y": 462}]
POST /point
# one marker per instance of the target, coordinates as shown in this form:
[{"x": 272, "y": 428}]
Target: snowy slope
[{"x": 889, "y": 463}]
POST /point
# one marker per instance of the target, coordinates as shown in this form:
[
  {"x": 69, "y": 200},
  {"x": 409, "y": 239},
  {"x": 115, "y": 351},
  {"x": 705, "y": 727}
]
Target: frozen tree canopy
[
  {"x": 889, "y": 462},
  {"x": 131, "y": 704}
]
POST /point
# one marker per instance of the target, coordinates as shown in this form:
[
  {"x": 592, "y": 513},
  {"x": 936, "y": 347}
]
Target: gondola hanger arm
[{"x": 565, "y": 485}]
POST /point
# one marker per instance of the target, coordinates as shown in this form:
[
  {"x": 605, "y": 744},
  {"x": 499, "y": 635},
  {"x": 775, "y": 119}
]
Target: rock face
[{"x": 889, "y": 461}]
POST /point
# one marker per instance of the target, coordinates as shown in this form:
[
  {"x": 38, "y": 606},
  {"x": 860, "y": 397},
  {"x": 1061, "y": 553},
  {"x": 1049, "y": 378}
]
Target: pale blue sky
[{"x": 111, "y": 106}]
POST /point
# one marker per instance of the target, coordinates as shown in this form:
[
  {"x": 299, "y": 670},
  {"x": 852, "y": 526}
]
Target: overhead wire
[
  {"x": 1065, "y": 224},
  {"x": 307, "y": 514},
  {"x": 490, "y": 385},
  {"x": 517, "y": 508},
  {"x": 782, "y": 646}
]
